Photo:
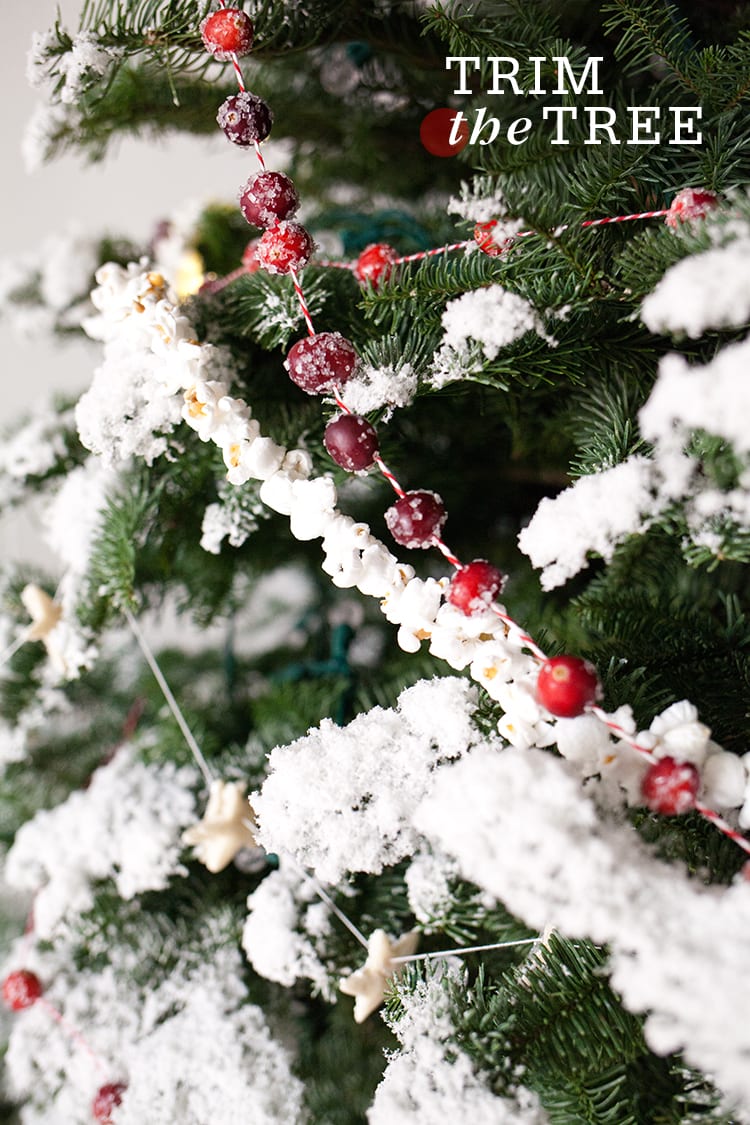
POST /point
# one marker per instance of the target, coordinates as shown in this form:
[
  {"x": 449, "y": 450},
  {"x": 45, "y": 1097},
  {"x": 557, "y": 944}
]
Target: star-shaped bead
[
  {"x": 228, "y": 826},
  {"x": 45, "y": 615},
  {"x": 368, "y": 984}
]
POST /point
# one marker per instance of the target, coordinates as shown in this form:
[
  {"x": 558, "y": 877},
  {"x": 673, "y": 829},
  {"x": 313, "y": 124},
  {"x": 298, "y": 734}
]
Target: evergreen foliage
[{"x": 665, "y": 618}]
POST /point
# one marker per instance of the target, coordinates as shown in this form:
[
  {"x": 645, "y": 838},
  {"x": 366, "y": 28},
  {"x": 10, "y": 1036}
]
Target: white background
[{"x": 139, "y": 183}]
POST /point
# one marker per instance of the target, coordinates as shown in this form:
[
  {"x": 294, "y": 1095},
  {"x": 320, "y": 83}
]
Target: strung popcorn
[
  {"x": 368, "y": 984},
  {"x": 228, "y": 825},
  {"x": 679, "y": 735},
  {"x": 525, "y": 722},
  {"x": 459, "y": 638},
  {"x": 414, "y": 608}
]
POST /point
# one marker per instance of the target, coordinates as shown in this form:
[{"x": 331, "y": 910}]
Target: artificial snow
[
  {"x": 705, "y": 291},
  {"x": 519, "y": 825},
  {"x": 340, "y": 799},
  {"x": 372, "y": 388},
  {"x": 596, "y": 513},
  {"x": 714, "y": 397},
  {"x": 183, "y": 1037},
  {"x": 492, "y": 316},
  {"x": 429, "y": 1081},
  {"x": 125, "y": 826},
  {"x": 278, "y": 938}
]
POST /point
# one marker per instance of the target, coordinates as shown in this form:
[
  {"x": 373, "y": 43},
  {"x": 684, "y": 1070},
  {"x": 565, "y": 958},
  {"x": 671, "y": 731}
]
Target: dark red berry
[
  {"x": 106, "y": 1099},
  {"x": 416, "y": 518},
  {"x": 284, "y": 247},
  {"x": 375, "y": 263},
  {"x": 351, "y": 441},
  {"x": 475, "y": 586},
  {"x": 483, "y": 236},
  {"x": 567, "y": 685},
  {"x": 670, "y": 787},
  {"x": 250, "y": 256},
  {"x": 690, "y": 203},
  {"x": 267, "y": 198},
  {"x": 319, "y": 363},
  {"x": 245, "y": 119},
  {"x": 21, "y": 989},
  {"x": 227, "y": 32}
]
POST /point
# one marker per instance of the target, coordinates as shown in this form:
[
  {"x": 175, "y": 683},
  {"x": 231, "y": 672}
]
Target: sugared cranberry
[
  {"x": 227, "y": 32},
  {"x": 670, "y": 787},
  {"x": 375, "y": 263},
  {"x": 475, "y": 586},
  {"x": 267, "y": 198},
  {"x": 416, "y": 518},
  {"x": 567, "y": 685},
  {"x": 690, "y": 203},
  {"x": 485, "y": 239},
  {"x": 245, "y": 118},
  {"x": 250, "y": 256},
  {"x": 21, "y": 989},
  {"x": 106, "y": 1099},
  {"x": 319, "y": 363},
  {"x": 285, "y": 247},
  {"x": 351, "y": 441}
]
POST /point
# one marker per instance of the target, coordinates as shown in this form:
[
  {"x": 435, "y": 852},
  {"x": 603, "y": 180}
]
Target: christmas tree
[{"x": 431, "y": 437}]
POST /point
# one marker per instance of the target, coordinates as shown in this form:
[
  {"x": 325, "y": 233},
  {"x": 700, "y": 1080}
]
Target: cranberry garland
[
  {"x": 567, "y": 686},
  {"x": 22, "y": 989}
]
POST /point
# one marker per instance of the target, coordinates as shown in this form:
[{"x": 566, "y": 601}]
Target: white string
[
  {"x": 171, "y": 701},
  {"x": 13, "y": 648},
  {"x": 460, "y": 952},
  {"x": 326, "y": 898}
]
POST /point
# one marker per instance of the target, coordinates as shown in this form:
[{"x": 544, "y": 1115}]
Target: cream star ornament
[
  {"x": 228, "y": 826},
  {"x": 368, "y": 984},
  {"x": 45, "y": 615}
]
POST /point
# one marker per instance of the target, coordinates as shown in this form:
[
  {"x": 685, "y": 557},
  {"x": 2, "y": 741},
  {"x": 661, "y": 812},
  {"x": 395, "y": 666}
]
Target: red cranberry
[
  {"x": 21, "y": 989},
  {"x": 375, "y": 263},
  {"x": 285, "y": 247},
  {"x": 227, "y": 32},
  {"x": 670, "y": 787},
  {"x": 245, "y": 119},
  {"x": 351, "y": 441},
  {"x": 416, "y": 518},
  {"x": 250, "y": 256},
  {"x": 484, "y": 239},
  {"x": 321, "y": 362},
  {"x": 567, "y": 685},
  {"x": 690, "y": 203},
  {"x": 107, "y": 1098},
  {"x": 267, "y": 198},
  {"x": 475, "y": 586}
]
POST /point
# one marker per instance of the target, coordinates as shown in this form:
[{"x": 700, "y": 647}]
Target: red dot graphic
[{"x": 436, "y": 130}]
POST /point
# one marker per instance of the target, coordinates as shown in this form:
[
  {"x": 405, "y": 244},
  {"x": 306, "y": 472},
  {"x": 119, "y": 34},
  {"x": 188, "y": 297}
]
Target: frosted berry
[
  {"x": 485, "y": 240},
  {"x": 475, "y": 586},
  {"x": 267, "y": 198},
  {"x": 21, "y": 989},
  {"x": 321, "y": 362},
  {"x": 245, "y": 118},
  {"x": 284, "y": 247},
  {"x": 375, "y": 262},
  {"x": 670, "y": 787},
  {"x": 567, "y": 685},
  {"x": 416, "y": 518},
  {"x": 351, "y": 441},
  {"x": 227, "y": 32},
  {"x": 106, "y": 1099},
  {"x": 690, "y": 203},
  {"x": 250, "y": 256}
]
